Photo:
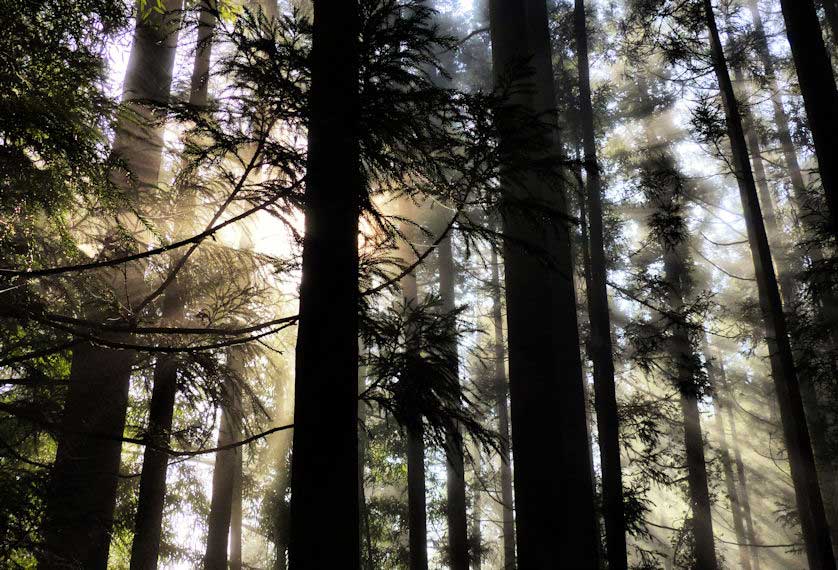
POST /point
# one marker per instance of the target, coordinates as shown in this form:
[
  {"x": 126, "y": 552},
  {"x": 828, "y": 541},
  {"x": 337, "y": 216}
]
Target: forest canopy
[{"x": 419, "y": 284}]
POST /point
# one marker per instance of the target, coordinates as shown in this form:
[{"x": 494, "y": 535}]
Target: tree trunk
[
  {"x": 224, "y": 474},
  {"x": 602, "y": 356},
  {"x": 828, "y": 304},
  {"x": 324, "y": 468},
  {"x": 236, "y": 514},
  {"x": 741, "y": 475},
  {"x": 82, "y": 495},
  {"x": 416, "y": 501},
  {"x": 455, "y": 468},
  {"x": 727, "y": 466},
  {"x": 476, "y": 534},
  {"x": 502, "y": 411},
  {"x": 554, "y": 495},
  {"x": 820, "y": 97},
  {"x": 416, "y": 506},
  {"x": 798, "y": 444},
  {"x": 149, "y": 518},
  {"x": 682, "y": 351}
]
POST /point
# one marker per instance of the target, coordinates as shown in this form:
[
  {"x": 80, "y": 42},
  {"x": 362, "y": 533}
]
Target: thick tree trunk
[
  {"x": 236, "y": 514},
  {"x": 149, "y": 518},
  {"x": 502, "y": 411},
  {"x": 602, "y": 356},
  {"x": 324, "y": 468},
  {"x": 224, "y": 474},
  {"x": 683, "y": 353},
  {"x": 82, "y": 495},
  {"x": 455, "y": 468},
  {"x": 727, "y": 465},
  {"x": 820, "y": 96},
  {"x": 554, "y": 495},
  {"x": 798, "y": 443}
]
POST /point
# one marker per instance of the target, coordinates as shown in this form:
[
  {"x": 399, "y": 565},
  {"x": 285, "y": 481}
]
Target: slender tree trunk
[
  {"x": 227, "y": 469},
  {"x": 828, "y": 304},
  {"x": 820, "y": 97},
  {"x": 324, "y": 469},
  {"x": 801, "y": 459},
  {"x": 741, "y": 474},
  {"x": 149, "y": 518},
  {"x": 554, "y": 494},
  {"x": 727, "y": 465},
  {"x": 455, "y": 468},
  {"x": 682, "y": 351},
  {"x": 602, "y": 356},
  {"x": 476, "y": 533},
  {"x": 416, "y": 505},
  {"x": 502, "y": 411},
  {"x": 82, "y": 495},
  {"x": 416, "y": 500}
]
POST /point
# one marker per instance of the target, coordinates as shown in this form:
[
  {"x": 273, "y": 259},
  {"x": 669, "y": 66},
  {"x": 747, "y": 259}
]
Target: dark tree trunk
[
  {"x": 227, "y": 469},
  {"x": 683, "y": 353},
  {"x": 798, "y": 443},
  {"x": 828, "y": 304},
  {"x": 80, "y": 503},
  {"x": 554, "y": 495},
  {"x": 416, "y": 505},
  {"x": 600, "y": 342},
  {"x": 416, "y": 501},
  {"x": 727, "y": 465},
  {"x": 149, "y": 518},
  {"x": 820, "y": 97},
  {"x": 741, "y": 474},
  {"x": 502, "y": 411},
  {"x": 324, "y": 468},
  {"x": 455, "y": 468}
]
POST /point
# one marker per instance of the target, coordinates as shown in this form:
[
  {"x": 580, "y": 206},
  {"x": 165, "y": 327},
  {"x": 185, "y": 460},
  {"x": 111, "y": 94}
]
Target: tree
[
  {"x": 502, "y": 411},
  {"x": 227, "y": 470},
  {"x": 82, "y": 495},
  {"x": 326, "y": 388},
  {"x": 455, "y": 467},
  {"x": 545, "y": 375},
  {"x": 820, "y": 95},
  {"x": 146, "y": 544},
  {"x": 600, "y": 343},
  {"x": 801, "y": 458}
]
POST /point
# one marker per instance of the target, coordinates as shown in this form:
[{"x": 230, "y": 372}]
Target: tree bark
[
  {"x": 608, "y": 428},
  {"x": 820, "y": 96},
  {"x": 741, "y": 474},
  {"x": 502, "y": 411},
  {"x": 455, "y": 468},
  {"x": 416, "y": 499},
  {"x": 554, "y": 495},
  {"x": 682, "y": 351},
  {"x": 82, "y": 494},
  {"x": 227, "y": 468},
  {"x": 236, "y": 514},
  {"x": 324, "y": 468},
  {"x": 727, "y": 465},
  {"x": 149, "y": 518},
  {"x": 798, "y": 443}
]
